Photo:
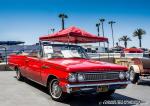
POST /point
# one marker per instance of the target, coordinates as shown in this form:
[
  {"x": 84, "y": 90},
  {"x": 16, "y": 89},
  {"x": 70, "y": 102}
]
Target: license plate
[{"x": 103, "y": 88}]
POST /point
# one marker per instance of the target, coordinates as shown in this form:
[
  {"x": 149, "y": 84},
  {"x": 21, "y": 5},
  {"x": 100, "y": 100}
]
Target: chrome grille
[{"x": 101, "y": 76}]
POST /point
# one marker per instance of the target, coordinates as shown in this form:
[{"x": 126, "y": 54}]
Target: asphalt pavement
[{"x": 28, "y": 93}]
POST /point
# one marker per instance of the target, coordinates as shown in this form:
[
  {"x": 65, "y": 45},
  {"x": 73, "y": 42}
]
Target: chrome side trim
[
  {"x": 89, "y": 85},
  {"x": 35, "y": 81}
]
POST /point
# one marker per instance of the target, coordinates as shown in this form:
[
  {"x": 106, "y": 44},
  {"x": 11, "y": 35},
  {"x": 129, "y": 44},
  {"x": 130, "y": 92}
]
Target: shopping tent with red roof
[
  {"x": 73, "y": 35},
  {"x": 133, "y": 50}
]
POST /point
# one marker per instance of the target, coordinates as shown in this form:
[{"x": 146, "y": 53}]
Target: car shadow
[
  {"x": 144, "y": 82},
  {"x": 90, "y": 100},
  {"x": 35, "y": 85}
]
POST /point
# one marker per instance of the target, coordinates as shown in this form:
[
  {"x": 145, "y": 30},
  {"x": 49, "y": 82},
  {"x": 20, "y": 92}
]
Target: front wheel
[
  {"x": 55, "y": 91},
  {"x": 134, "y": 77}
]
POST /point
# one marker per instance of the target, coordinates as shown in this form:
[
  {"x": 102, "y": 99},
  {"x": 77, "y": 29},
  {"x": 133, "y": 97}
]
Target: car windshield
[{"x": 64, "y": 51}]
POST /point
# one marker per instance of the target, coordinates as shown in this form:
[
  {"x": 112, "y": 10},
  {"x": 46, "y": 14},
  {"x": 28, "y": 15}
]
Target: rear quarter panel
[{"x": 17, "y": 61}]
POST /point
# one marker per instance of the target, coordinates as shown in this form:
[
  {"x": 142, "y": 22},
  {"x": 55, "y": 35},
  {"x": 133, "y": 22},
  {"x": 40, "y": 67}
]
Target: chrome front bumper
[{"x": 70, "y": 86}]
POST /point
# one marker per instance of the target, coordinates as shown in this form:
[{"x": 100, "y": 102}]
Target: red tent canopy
[
  {"x": 133, "y": 50},
  {"x": 73, "y": 35}
]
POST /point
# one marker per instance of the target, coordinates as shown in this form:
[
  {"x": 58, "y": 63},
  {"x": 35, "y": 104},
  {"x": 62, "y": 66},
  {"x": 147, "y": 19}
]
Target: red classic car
[{"x": 67, "y": 69}]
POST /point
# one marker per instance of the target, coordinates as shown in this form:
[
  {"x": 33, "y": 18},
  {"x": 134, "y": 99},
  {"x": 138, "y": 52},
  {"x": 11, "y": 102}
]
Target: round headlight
[
  {"x": 127, "y": 75},
  {"x": 80, "y": 77},
  {"x": 72, "y": 78},
  {"x": 122, "y": 75}
]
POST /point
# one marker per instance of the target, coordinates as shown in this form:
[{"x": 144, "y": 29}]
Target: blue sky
[{"x": 26, "y": 20}]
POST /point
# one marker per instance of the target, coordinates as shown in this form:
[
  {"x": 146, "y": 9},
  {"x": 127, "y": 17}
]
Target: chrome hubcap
[{"x": 55, "y": 90}]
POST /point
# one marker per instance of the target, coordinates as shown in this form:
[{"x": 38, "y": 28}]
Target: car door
[{"x": 34, "y": 69}]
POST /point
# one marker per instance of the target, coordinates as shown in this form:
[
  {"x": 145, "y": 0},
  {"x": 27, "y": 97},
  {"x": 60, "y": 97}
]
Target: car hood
[{"x": 84, "y": 65}]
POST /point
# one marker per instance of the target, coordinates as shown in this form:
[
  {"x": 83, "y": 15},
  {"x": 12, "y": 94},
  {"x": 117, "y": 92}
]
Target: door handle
[{"x": 44, "y": 67}]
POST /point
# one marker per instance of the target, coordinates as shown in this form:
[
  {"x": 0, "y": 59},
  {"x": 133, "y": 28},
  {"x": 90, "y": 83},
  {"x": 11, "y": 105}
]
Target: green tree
[
  {"x": 125, "y": 39},
  {"x": 139, "y": 33}
]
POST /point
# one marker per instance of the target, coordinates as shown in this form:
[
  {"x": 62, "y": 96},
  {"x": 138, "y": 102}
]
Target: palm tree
[
  {"x": 139, "y": 33},
  {"x": 102, "y": 23},
  {"x": 125, "y": 39},
  {"x": 63, "y": 16},
  {"x": 111, "y": 24},
  {"x": 98, "y": 25}
]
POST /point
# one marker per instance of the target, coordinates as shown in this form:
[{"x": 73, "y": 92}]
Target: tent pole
[
  {"x": 108, "y": 48},
  {"x": 99, "y": 52},
  {"x": 68, "y": 38}
]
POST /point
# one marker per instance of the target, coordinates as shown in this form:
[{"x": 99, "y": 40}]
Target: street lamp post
[
  {"x": 48, "y": 31},
  {"x": 102, "y": 22},
  {"x": 63, "y": 16},
  {"x": 53, "y": 30},
  {"x": 111, "y": 24}
]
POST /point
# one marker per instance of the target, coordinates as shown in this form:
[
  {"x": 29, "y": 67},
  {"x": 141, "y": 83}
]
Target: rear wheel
[
  {"x": 18, "y": 75},
  {"x": 55, "y": 91},
  {"x": 134, "y": 77}
]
